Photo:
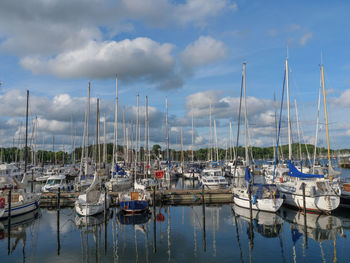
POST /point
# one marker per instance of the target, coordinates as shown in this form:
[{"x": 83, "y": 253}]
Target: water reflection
[
  {"x": 16, "y": 231},
  {"x": 178, "y": 234}
]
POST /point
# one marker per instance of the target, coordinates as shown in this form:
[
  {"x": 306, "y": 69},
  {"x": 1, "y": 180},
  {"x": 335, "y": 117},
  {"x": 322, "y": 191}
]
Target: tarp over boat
[{"x": 294, "y": 172}]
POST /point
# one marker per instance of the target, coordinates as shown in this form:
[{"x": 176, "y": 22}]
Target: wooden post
[
  {"x": 154, "y": 221},
  {"x": 305, "y": 221},
  {"x": 9, "y": 223},
  {"x": 203, "y": 217},
  {"x": 105, "y": 218},
  {"x": 58, "y": 221},
  {"x": 304, "y": 198},
  {"x": 250, "y": 199},
  {"x": 31, "y": 185}
]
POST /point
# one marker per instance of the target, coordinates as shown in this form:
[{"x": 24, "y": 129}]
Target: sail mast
[
  {"x": 298, "y": 127},
  {"x": 26, "y": 142},
  {"x": 210, "y": 135},
  {"x": 326, "y": 116},
  {"x": 97, "y": 153},
  {"x": 115, "y": 143},
  {"x": 104, "y": 141},
  {"x": 87, "y": 132},
  {"x": 147, "y": 156},
  {"x": 317, "y": 122},
  {"x": 167, "y": 130},
  {"x": 288, "y": 108},
  {"x": 137, "y": 131},
  {"x": 245, "y": 117},
  {"x": 192, "y": 133}
]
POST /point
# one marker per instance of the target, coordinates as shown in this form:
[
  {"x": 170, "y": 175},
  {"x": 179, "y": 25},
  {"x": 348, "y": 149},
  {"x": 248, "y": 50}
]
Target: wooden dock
[{"x": 171, "y": 197}]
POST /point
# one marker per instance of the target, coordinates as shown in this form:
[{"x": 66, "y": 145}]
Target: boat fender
[
  {"x": 2, "y": 202},
  {"x": 254, "y": 199},
  {"x": 2, "y": 234},
  {"x": 281, "y": 179},
  {"x": 62, "y": 188}
]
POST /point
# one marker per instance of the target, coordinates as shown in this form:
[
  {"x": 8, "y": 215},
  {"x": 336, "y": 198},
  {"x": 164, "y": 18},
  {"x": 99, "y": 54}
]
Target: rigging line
[{"x": 279, "y": 126}]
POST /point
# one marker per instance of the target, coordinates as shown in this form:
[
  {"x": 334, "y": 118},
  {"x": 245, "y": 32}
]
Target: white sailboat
[
  {"x": 293, "y": 184},
  {"x": 93, "y": 201},
  {"x": 21, "y": 201},
  {"x": 262, "y": 197}
]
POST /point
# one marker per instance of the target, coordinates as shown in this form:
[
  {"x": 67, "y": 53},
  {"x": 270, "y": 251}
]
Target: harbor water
[{"x": 222, "y": 233}]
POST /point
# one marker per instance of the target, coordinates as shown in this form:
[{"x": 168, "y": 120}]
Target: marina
[{"x": 174, "y": 131}]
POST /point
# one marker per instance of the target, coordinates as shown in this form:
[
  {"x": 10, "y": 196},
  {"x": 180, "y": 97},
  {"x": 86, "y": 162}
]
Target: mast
[
  {"x": 192, "y": 133},
  {"x": 298, "y": 127},
  {"x": 216, "y": 142},
  {"x": 210, "y": 135},
  {"x": 182, "y": 153},
  {"x": 87, "y": 132},
  {"x": 245, "y": 117},
  {"x": 317, "y": 121},
  {"x": 137, "y": 131},
  {"x": 326, "y": 116},
  {"x": 115, "y": 143},
  {"x": 97, "y": 152},
  {"x": 147, "y": 159},
  {"x": 288, "y": 107},
  {"x": 26, "y": 141},
  {"x": 167, "y": 129},
  {"x": 125, "y": 136},
  {"x": 104, "y": 141}
]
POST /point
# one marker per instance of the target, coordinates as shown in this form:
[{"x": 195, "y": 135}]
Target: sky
[{"x": 190, "y": 52}]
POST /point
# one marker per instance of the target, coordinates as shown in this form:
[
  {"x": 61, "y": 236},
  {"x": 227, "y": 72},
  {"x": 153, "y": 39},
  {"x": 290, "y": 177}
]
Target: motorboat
[
  {"x": 213, "y": 178},
  {"x": 55, "y": 182}
]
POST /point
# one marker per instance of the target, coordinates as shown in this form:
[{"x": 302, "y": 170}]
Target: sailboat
[
  {"x": 293, "y": 184},
  {"x": 263, "y": 197},
  {"x": 120, "y": 179},
  {"x": 21, "y": 201},
  {"x": 93, "y": 201}
]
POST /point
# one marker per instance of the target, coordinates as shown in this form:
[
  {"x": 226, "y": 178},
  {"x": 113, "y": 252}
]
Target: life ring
[{"x": 2, "y": 202}]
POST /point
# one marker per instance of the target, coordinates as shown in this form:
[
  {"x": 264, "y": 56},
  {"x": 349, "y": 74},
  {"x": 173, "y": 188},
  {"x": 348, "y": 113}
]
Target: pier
[{"x": 172, "y": 197}]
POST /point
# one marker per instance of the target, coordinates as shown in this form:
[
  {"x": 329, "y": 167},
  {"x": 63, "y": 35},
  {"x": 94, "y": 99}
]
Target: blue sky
[{"x": 190, "y": 51}]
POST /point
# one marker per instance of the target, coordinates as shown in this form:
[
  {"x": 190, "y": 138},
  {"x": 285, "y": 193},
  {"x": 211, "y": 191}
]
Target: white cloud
[
  {"x": 343, "y": 100},
  {"x": 305, "y": 38},
  {"x": 226, "y": 107},
  {"x": 140, "y": 59},
  {"x": 203, "y": 51}
]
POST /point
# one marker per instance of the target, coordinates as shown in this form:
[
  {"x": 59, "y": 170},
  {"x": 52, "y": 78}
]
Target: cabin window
[{"x": 53, "y": 181}]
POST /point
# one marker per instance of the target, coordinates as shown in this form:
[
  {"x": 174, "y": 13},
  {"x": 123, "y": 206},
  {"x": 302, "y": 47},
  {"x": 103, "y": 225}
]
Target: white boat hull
[
  {"x": 269, "y": 205},
  {"x": 323, "y": 203},
  {"x": 21, "y": 207},
  {"x": 84, "y": 208}
]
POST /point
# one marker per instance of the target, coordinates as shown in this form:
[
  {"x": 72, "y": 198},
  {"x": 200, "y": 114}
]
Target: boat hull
[
  {"x": 268, "y": 205},
  {"x": 134, "y": 206},
  {"x": 323, "y": 204},
  {"x": 89, "y": 209},
  {"x": 20, "y": 208}
]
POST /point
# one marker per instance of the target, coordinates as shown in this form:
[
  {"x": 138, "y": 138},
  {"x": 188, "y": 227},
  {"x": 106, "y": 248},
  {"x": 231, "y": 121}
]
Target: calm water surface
[{"x": 178, "y": 234}]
